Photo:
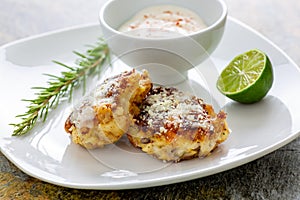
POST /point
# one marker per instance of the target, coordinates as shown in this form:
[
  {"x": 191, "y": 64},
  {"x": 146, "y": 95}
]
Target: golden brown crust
[
  {"x": 105, "y": 115},
  {"x": 174, "y": 126},
  {"x": 164, "y": 122}
]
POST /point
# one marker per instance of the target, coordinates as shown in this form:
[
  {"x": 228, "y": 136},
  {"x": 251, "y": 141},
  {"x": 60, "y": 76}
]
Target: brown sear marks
[
  {"x": 68, "y": 125},
  {"x": 84, "y": 130}
]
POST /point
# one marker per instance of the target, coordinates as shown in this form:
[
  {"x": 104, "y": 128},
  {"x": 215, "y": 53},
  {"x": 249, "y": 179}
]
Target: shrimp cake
[
  {"x": 104, "y": 115},
  {"x": 174, "y": 126}
]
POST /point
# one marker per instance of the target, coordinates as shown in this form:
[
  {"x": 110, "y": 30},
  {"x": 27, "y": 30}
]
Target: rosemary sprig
[{"x": 61, "y": 86}]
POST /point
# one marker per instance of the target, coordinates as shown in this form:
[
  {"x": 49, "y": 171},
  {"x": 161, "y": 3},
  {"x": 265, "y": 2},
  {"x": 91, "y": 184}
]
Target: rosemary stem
[{"x": 46, "y": 98}]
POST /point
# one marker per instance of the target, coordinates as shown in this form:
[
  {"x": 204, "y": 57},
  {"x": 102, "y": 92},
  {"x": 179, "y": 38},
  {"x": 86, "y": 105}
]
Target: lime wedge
[{"x": 247, "y": 78}]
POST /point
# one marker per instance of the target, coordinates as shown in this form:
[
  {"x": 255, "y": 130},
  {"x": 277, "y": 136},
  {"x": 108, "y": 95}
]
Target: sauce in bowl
[{"x": 154, "y": 21}]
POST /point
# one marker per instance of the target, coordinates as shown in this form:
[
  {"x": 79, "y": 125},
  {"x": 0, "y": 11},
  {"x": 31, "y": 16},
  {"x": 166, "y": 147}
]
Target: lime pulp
[{"x": 247, "y": 78}]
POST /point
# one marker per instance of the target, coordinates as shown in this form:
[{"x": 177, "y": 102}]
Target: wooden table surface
[{"x": 274, "y": 176}]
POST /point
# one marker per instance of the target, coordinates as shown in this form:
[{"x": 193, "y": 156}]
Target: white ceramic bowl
[{"x": 179, "y": 53}]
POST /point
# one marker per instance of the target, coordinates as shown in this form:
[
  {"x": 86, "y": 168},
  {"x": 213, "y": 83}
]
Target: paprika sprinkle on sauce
[{"x": 161, "y": 18}]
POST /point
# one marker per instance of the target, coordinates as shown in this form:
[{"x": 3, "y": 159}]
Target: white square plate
[{"x": 48, "y": 154}]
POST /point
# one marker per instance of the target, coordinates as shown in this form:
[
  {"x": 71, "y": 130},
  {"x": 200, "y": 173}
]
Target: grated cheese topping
[
  {"x": 170, "y": 109},
  {"x": 83, "y": 114}
]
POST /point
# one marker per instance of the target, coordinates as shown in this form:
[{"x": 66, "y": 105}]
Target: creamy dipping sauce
[{"x": 153, "y": 21}]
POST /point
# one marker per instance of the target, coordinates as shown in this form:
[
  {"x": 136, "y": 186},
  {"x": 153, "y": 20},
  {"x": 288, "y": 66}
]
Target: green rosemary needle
[{"x": 60, "y": 86}]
